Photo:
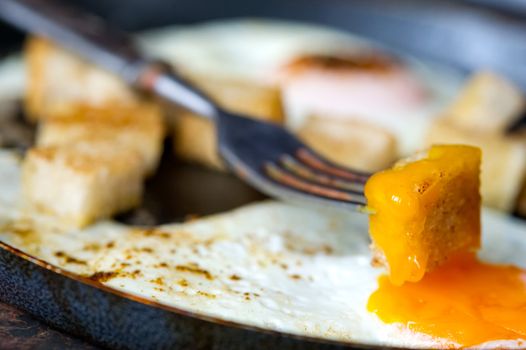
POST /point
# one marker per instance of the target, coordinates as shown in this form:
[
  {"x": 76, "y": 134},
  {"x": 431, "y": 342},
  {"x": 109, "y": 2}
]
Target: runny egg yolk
[
  {"x": 464, "y": 301},
  {"x": 425, "y": 211}
]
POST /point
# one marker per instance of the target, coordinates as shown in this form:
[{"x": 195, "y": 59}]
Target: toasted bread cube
[
  {"x": 195, "y": 137},
  {"x": 503, "y": 165},
  {"x": 425, "y": 211},
  {"x": 58, "y": 78},
  {"x": 81, "y": 183},
  {"x": 488, "y": 103},
  {"x": 352, "y": 143},
  {"x": 195, "y": 140},
  {"x": 137, "y": 127}
]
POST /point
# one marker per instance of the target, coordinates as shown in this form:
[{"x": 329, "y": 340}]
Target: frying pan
[{"x": 462, "y": 36}]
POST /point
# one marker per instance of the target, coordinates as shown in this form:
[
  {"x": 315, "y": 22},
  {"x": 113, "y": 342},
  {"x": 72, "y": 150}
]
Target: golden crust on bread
[
  {"x": 487, "y": 103},
  {"x": 352, "y": 143},
  {"x": 484, "y": 110},
  {"x": 503, "y": 162},
  {"x": 58, "y": 78},
  {"x": 195, "y": 138},
  {"x": 242, "y": 96},
  {"x": 425, "y": 211},
  {"x": 136, "y": 127},
  {"x": 96, "y": 141},
  {"x": 82, "y": 182}
]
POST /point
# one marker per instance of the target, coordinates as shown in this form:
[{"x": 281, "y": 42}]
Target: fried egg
[
  {"x": 274, "y": 265},
  {"x": 403, "y": 101}
]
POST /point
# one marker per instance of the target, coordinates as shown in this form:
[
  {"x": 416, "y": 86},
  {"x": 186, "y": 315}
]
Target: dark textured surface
[{"x": 19, "y": 330}]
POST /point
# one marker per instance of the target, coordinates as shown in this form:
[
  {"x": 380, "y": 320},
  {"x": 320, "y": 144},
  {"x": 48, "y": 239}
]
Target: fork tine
[
  {"x": 288, "y": 179},
  {"x": 312, "y": 160},
  {"x": 308, "y": 178},
  {"x": 299, "y": 169}
]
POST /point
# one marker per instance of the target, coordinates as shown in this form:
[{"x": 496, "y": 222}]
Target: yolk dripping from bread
[
  {"x": 465, "y": 301},
  {"x": 425, "y": 229},
  {"x": 425, "y": 211}
]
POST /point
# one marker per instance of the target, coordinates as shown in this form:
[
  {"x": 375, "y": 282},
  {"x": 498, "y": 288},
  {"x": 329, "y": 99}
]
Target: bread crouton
[
  {"x": 83, "y": 182},
  {"x": 352, "y": 143},
  {"x": 58, "y": 78},
  {"x": 425, "y": 211},
  {"x": 97, "y": 139},
  {"x": 195, "y": 137},
  {"x": 137, "y": 127},
  {"x": 503, "y": 163},
  {"x": 487, "y": 103}
]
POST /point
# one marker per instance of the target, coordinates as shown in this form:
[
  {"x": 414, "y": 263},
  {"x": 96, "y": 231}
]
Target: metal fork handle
[{"x": 109, "y": 48}]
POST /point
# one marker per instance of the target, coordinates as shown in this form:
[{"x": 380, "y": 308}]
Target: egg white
[{"x": 274, "y": 265}]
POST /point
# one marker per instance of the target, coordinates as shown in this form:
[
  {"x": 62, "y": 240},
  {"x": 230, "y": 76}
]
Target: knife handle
[{"x": 109, "y": 48}]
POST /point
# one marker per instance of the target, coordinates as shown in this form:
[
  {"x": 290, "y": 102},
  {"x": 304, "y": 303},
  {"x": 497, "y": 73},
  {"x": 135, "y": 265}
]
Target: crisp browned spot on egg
[
  {"x": 183, "y": 283},
  {"x": 134, "y": 274},
  {"x": 92, "y": 247},
  {"x": 24, "y": 230},
  {"x": 465, "y": 301},
  {"x": 206, "y": 294},
  {"x": 193, "y": 268},
  {"x": 158, "y": 280},
  {"x": 69, "y": 259},
  {"x": 155, "y": 232},
  {"x": 103, "y": 276},
  {"x": 249, "y": 296}
]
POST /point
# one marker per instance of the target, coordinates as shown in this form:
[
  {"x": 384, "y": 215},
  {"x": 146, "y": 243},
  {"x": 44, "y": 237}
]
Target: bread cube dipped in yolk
[{"x": 425, "y": 211}]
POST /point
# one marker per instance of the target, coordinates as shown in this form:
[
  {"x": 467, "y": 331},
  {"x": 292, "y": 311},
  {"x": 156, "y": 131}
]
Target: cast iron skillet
[{"x": 447, "y": 33}]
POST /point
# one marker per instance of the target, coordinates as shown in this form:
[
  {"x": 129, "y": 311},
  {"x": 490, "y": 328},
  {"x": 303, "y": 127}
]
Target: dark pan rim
[{"x": 203, "y": 317}]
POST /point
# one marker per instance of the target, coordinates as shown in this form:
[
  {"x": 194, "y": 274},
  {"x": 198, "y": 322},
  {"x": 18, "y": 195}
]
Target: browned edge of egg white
[{"x": 98, "y": 285}]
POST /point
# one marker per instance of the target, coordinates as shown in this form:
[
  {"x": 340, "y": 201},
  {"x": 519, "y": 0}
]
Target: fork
[{"x": 261, "y": 153}]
